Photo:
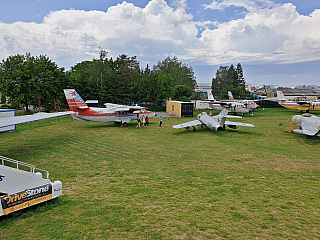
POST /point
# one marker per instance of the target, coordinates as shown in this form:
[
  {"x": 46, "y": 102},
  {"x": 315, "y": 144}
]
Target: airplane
[
  {"x": 309, "y": 125},
  {"x": 232, "y": 107},
  {"x": 216, "y": 123},
  {"x": 250, "y": 104},
  {"x": 9, "y": 121},
  {"x": 298, "y": 105},
  {"x": 112, "y": 113}
]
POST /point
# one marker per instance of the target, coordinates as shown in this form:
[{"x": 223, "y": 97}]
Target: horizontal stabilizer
[
  {"x": 238, "y": 124},
  {"x": 231, "y": 116}
]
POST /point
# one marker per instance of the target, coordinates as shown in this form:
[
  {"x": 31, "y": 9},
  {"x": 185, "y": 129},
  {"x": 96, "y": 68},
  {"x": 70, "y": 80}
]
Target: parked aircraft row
[
  {"x": 124, "y": 114},
  {"x": 232, "y": 105},
  {"x": 294, "y": 103}
]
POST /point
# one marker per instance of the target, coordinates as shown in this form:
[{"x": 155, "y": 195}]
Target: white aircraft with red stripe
[
  {"x": 249, "y": 104},
  {"x": 112, "y": 113}
]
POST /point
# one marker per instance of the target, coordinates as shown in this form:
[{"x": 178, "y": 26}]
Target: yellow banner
[{"x": 27, "y": 204}]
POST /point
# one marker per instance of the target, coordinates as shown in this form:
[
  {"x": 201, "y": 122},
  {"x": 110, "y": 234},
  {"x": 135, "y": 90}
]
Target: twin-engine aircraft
[
  {"x": 216, "y": 123},
  {"x": 249, "y": 104},
  {"x": 309, "y": 124},
  {"x": 234, "y": 106},
  {"x": 298, "y": 105},
  {"x": 112, "y": 113}
]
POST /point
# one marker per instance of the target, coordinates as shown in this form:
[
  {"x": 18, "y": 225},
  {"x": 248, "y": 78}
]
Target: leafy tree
[
  {"x": 182, "y": 93},
  {"x": 30, "y": 80},
  {"x": 180, "y": 72}
]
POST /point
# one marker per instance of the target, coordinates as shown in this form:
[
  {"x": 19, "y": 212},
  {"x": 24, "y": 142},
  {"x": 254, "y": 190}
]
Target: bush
[{"x": 5, "y": 106}]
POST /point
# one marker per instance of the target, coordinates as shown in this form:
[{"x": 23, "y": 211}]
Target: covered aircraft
[
  {"x": 216, "y": 123},
  {"x": 308, "y": 125},
  {"x": 112, "y": 113}
]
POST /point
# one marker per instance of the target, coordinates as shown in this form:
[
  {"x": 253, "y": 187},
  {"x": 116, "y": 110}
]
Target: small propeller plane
[
  {"x": 309, "y": 124},
  {"x": 216, "y": 123},
  {"x": 112, "y": 113}
]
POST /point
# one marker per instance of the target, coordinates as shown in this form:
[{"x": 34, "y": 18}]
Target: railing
[{"x": 19, "y": 164}]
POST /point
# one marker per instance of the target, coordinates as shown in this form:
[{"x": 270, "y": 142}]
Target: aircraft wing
[
  {"x": 122, "y": 108},
  {"x": 232, "y": 116},
  {"x": 188, "y": 124},
  {"x": 238, "y": 124},
  {"x": 4, "y": 122},
  {"x": 310, "y": 129}
]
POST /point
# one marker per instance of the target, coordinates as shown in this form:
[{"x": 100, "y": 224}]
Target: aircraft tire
[{"x": 125, "y": 124}]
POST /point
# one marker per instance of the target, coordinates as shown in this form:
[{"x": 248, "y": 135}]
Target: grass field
[{"x": 165, "y": 183}]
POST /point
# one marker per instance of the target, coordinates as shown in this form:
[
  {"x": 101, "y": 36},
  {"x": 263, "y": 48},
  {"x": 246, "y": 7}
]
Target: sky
[{"x": 277, "y": 42}]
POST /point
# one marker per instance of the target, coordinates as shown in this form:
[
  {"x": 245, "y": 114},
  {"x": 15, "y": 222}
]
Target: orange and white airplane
[{"x": 112, "y": 113}]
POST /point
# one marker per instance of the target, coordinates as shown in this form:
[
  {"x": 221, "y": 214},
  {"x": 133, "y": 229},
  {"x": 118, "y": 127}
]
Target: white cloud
[
  {"x": 275, "y": 33},
  {"x": 250, "y": 5}
]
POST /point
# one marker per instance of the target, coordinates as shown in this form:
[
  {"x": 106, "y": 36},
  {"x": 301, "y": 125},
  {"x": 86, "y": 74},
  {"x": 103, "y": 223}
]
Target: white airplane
[
  {"x": 216, "y": 123},
  {"x": 231, "y": 106},
  {"x": 309, "y": 124},
  {"x": 112, "y": 113},
  {"x": 249, "y": 104},
  {"x": 9, "y": 121}
]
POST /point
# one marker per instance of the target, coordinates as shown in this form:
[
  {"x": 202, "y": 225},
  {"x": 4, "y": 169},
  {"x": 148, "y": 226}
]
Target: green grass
[{"x": 165, "y": 183}]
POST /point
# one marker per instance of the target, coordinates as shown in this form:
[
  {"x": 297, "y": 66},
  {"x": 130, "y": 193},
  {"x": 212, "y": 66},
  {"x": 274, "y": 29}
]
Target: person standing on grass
[
  {"x": 160, "y": 121},
  {"x": 147, "y": 121},
  {"x": 139, "y": 121},
  {"x": 143, "y": 121}
]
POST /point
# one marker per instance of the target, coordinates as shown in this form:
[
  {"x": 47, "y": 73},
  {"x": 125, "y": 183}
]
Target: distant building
[
  {"x": 203, "y": 87},
  {"x": 248, "y": 87}
]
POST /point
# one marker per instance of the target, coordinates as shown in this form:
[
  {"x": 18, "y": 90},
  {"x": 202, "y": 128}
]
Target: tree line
[{"x": 38, "y": 81}]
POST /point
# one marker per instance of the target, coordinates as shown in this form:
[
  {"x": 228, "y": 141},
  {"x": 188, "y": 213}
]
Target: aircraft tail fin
[
  {"x": 230, "y": 95},
  {"x": 223, "y": 113},
  {"x": 210, "y": 96},
  {"x": 280, "y": 96},
  {"x": 74, "y": 100}
]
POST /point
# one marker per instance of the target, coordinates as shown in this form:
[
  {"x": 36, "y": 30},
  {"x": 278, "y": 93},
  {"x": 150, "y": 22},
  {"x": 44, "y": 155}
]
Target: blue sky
[{"x": 276, "y": 41}]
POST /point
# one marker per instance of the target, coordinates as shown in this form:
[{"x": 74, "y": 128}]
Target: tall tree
[
  {"x": 180, "y": 72},
  {"x": 229, "y": 79},
  {"x": 27, "y": 80},
  {"x": 240, "y": 77}
]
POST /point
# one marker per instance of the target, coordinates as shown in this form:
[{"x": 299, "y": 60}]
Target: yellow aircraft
[{"x": 298, "y": 105}]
